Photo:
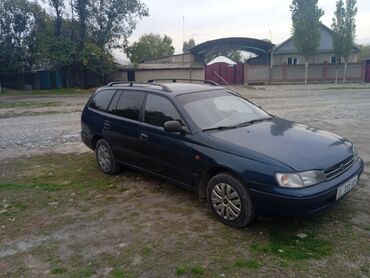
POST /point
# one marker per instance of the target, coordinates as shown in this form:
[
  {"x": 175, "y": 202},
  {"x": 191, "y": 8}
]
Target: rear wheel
[
  {"x": 105, "y": 158},
  {"x": 230, "y": 201}
]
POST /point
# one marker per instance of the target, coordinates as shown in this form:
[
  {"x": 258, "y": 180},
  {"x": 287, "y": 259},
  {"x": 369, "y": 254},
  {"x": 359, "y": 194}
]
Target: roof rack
[
  {"x": 138, "y": 84},
  {"x": 174, "y": 80}
]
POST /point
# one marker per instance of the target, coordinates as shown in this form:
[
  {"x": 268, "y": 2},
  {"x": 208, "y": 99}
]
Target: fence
[{"x": 317, "y": 73}]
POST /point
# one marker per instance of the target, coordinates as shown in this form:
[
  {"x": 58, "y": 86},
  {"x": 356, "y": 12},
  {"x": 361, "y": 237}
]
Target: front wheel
[{"x": 230, "y": 201}]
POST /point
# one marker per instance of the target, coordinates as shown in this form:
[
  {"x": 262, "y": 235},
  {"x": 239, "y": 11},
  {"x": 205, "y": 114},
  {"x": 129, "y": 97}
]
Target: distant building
[{"x": 286, "y": 53}]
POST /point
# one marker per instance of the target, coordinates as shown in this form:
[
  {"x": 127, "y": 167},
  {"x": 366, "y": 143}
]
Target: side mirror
[{"x": 174, "y": 126}]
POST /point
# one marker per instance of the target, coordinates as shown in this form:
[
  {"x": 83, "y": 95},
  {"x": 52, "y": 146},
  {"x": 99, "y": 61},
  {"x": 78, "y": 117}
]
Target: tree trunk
[
  {"x": 336, "y": 71},
  {"x": 305, "y": 71},
  {"x": 345, "y": 71}
]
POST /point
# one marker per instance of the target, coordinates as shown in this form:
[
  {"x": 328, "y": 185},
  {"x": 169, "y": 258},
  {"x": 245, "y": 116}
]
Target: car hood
[{"x": 298, "y": 146}]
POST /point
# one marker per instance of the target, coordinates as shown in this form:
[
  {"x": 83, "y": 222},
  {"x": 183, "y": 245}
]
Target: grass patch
[
  {"x": 147, "y": 251},
  {"x": 56, "y": 172},
  {"x": 120, "y": 273},
  {"x": 181, "y": 270},
  {"x": 197, "y": 270},
  {"x": 286, "y": 244},
  {"x": 28, "y": 104},
  {"x": 247, "y": 264},
  {"x": 58, "y": 270}
]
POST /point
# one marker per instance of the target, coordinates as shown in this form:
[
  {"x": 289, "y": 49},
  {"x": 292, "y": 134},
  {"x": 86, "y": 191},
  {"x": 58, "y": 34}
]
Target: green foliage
[
  {"x": 181, "y": 270},
  {"x": 197, "y": 270},
  {"x": 114, "y": 20},
  {"x": 150, "y": 46},
  {"x": 58, "y": 270},
  {"x": 344, "y": 27},
  {"x": 61, "y": 51},
  {"x": 97, "y": 59},
  {"x": 187, "y": 45},
  {"x": 306, "y": 26}
]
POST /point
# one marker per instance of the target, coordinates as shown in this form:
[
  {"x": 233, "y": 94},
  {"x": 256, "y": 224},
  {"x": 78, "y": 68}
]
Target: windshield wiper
[
  {"x": 237, "y": 125},
  {"x": 253, "y": 122},
  {"x": 220, "y": 128}
]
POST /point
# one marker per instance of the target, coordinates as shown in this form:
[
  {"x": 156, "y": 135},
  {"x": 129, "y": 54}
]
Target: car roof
[{"x": 166, "y": 88}]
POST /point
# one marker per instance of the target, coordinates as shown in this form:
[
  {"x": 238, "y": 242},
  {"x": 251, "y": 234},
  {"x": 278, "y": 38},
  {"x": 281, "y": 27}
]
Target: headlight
[
  {"x": 355, "y": 153},
  {"x": 301, "y": 179}
]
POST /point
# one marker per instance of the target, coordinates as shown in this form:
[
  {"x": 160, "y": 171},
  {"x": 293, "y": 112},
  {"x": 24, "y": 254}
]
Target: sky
[{"x": 212, "y": 19}]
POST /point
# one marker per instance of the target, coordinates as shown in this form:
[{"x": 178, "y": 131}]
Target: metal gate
[
  {"x": 367, "y": 75},
  {"x": 223, "y": 73}
]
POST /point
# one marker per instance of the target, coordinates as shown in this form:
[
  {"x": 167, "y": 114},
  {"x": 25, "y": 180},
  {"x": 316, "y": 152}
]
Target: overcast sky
[{"x": 212, "y": 19}]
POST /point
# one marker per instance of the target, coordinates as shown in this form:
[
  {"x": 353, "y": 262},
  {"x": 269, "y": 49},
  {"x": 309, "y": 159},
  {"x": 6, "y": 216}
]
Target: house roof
[{"x": 326, "y": 42}]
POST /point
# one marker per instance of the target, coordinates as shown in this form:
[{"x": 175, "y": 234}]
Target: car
[{"x": 244, "y": 161}]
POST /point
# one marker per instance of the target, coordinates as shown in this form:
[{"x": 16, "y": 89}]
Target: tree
[
  {"x": 306, "y": 28},
  {"x": 350, "y": 32},
  {"x": 150, "y": 46},
  {"x": 114, "y": 20},
  {"x": 364, "y": 52},
  {"x": 187, "y": 45},
  {"x": 97, "y": 60},
  {"x": 58, "y": 6},
  {"x": 338, "y": 27}
]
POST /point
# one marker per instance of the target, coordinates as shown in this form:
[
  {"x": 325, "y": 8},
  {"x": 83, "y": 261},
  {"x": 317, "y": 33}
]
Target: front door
[{"x": 168, "y": 154}]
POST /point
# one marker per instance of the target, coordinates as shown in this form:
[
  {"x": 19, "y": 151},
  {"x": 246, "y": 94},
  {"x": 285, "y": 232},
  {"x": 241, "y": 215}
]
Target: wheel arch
[
  {"x": 95, "y": 140},
  {"x": 209, "y": 174}
]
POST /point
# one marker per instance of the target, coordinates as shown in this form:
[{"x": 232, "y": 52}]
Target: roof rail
[
  {"x": 138, "y": 84},
  {"x": 174, "y": 80}
]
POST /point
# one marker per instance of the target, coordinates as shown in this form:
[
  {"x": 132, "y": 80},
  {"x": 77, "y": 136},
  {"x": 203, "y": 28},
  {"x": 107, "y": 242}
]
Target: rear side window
[
  {"x": 129, "y": 104},
  {"x": 101, "y": 100},
  {"x": 159, "y": 110}
]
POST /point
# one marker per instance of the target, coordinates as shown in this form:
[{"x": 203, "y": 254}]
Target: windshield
[{"x": 218, "y": 108}]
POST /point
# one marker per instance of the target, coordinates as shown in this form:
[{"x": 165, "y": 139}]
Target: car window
[
  {"x": 129, "y": 104},
  {"x": 113, "y": 104},
  {"x": 101, "y": 100},
  {"x": 159, "y": 110}
]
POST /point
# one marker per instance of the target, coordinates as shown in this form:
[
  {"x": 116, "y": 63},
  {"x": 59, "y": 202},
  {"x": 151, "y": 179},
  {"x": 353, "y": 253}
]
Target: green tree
[
  {"x": 364, "y": 52},
  {"x": 97, "y": 59},
  {"x": 58, "y": 6},
  {"x": 187, "y": 45},
  {"x": 18, "y": 25},
  {"x": 350, "y": 32},
  {"x": 114, "y": 20},
  {"x": 306, "y": 28},
  {"x": 150, "y": 46},
  {"x": 338, "y": 27}
]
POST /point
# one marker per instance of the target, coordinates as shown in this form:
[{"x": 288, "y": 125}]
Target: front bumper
[{"x": 304, "y": 201}]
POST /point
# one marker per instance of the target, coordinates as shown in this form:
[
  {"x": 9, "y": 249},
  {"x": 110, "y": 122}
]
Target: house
[{"x": 286, "y": 53}]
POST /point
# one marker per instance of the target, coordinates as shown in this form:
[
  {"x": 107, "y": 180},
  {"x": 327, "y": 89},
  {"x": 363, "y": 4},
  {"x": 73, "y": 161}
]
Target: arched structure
[{"x": 258, "y": 47}]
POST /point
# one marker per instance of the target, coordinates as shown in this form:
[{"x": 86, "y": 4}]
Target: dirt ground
[{"x": 60, "y": 217}]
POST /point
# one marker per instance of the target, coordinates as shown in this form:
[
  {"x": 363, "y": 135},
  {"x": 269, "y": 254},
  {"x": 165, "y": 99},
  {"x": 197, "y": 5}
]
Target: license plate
[{"x": 347, "y": 186}]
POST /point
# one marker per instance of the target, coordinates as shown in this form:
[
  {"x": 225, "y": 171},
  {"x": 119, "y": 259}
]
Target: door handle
[
  {"x": 106, "y": 125},
  {"x": 144, "y": 136}
]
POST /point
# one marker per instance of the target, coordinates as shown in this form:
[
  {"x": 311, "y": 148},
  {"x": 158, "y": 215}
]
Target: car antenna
[{"x": 223, "y": 80}]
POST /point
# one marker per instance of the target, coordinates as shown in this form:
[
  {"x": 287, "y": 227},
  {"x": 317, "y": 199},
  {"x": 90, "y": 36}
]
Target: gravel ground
[{"x": 56, "y": 129}]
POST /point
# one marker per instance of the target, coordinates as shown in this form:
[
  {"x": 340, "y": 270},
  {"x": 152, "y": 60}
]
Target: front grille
[{"x": 339, "y": 168}]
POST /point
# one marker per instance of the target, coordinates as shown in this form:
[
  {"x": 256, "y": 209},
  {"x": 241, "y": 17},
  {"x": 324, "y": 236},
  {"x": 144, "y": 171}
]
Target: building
[{"x": 286, "y": 53}]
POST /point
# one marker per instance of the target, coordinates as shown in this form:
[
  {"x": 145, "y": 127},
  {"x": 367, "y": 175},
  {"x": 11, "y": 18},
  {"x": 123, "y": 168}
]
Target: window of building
[
  {"x": 159, "y": 110},
  {"x": 129, "y": 104},
  {"x": 292, "y": 61},
  {"x": 333, "y": 60},
  {"x": 101, "y": 100}
]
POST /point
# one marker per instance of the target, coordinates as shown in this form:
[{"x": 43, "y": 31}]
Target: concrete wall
[
  {"x": 145, "y": 75},
  {"x": 260, "y": 74}
]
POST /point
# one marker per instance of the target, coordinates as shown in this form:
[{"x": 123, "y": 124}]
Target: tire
[
  {"x": 105, "y": 158},
  {"x": 229, "y": 200}
]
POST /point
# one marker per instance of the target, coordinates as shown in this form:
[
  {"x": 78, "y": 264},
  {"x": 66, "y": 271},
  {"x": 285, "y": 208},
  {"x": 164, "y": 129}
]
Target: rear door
[
  {"x": 167, "y": 154},
  {"x": 123, "y": 125}
]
